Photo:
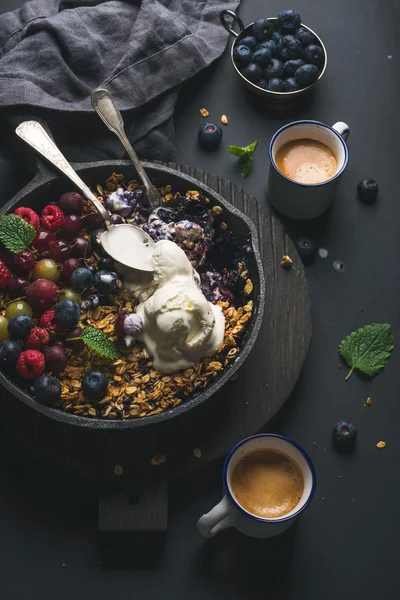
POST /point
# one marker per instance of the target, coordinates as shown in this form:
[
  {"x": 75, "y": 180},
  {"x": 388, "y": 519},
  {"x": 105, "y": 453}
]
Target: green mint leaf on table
[
  {"x": 245, "y": 155},
  {"x": 368, "y": 349},
  {"x": 97, "y": 340},
  {"x": 15, "y": 233}
]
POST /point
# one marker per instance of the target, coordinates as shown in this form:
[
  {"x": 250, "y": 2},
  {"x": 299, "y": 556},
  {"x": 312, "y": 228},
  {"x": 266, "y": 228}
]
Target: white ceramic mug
[
  {"x": 301, "y": 200},
  {"x": 229, "y": 513}
]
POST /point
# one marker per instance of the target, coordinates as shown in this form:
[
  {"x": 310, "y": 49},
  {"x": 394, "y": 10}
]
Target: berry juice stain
[{"x": 339, "y": 266}]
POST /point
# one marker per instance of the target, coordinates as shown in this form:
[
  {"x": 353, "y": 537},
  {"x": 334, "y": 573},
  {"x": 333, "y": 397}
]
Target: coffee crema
[
  {"x": 267, "y": 483},
  {"x": 306, "y": 161}
]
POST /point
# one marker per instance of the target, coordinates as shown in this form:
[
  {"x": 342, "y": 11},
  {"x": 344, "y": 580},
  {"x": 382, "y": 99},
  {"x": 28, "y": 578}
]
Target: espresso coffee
[
  {"x": 267, "y": 483},
  {"x": 306, "y": 161}
]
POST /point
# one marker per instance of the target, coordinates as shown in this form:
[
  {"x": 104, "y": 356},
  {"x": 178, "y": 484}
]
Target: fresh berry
[
  {"x": 71, "y": 225},
  {"x": 48, "y": 320},
  {"x": 17, "y": 287},
  {"x": 46, "y": 269},
  {"x": 71, "y": 203},
  {"x": 290, "y": 67},
  {"x": 28, "y": 215},
  {"x": 368, "y": 190},
  {"x": 117, "y": 220},
  {"x": 47, "y": 390},
  {"x": 70, "y": 342},
  {"x": 24, "y": 261},
  {"x": 252, "y": 73},
  {"x": 60, "y": 250},
  {"x": 30, "y": 364},
  {"x": 276, "y": 85},
  {"x": 37, "y": 338},
  {"x": 288, "y": 48},
  {"x": 92, "y": 269},
  {"x": 81, "y": 279},
  {"x": 52, "y": 217},
  {"x": 288, "y": 21},
  {"x": 271, "y": 45},
  {"x": 304, "y": 36},
  {"x": 4, "y": 275},
  {"x": 249, "y": 41},
  {"x": 80, "y": 247},
  {"x": 18, "y": 307},
  {"x": 314, "y": 55},
  {"x": 273, "y": 69},
  {"x": 105, "y": 282},
  {"x": 3, "y": 329},
  {"x": 344, "y": 435},
  {"x": 9, "y": 353},
  {"x": 306, "y": 75},
  {"x": 93, "y": 221},
  {"x": 94, "y": 385},
  {"x": 19, "y": 327},
  {"x": 106, "y": 264},
  {"x": 95, "y": 240},
  {"x": 67, "y": 314},
  {"x": 307, "y": 248},
  {"x": 56, "y": 358},
  {"x": 42, "y": 294},
  {"x": 91, "y": 302},
  {"x": 69, "y": 294},
  {"x": 291, "y": 85},
  {"x": 209, "y": 136},
  {"x": 262, "y": 29},
  {"x": 242, "y": 55},
  {"x": 276, "y": 36},
  {"x": 42, "y": 240},
  {"x": 70, "y": 265},
  {"x": 262, "y": 57}
]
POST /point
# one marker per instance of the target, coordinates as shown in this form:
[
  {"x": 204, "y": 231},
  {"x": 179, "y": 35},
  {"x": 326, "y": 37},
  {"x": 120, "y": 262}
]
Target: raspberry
[
  {"x": 37, "y": 338},
  {"x": 30, "y": 364},
  {"x": 52, "y": 217},
  {"x": 4, "y": 275},
  {"x": 28, "y": 215},
  {"x": 48, "y": 320}
]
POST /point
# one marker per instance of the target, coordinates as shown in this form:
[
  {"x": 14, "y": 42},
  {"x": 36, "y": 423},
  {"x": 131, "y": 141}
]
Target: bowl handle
[{"x": 222, "y": 17}]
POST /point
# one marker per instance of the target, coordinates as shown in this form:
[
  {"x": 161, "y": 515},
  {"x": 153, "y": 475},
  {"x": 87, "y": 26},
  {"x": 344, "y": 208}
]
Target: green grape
[
  {"x": 3, "y": 329},
  {"x": 46, "y": 268},
  {"x": 69, "y": 294},
  {"x": 19, "y": 307}
]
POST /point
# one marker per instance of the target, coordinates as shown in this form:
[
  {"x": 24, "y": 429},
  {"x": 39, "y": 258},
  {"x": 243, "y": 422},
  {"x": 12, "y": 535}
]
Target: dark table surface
[{"x": 346, "y": 543}]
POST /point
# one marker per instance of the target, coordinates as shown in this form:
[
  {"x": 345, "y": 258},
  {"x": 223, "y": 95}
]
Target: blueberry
[
  {"x": 307, "y": 248},
  {"x": 209, "y": 136},
  {"x": 105, "y": 282},
  {"x": 92, "y": 269},
  {"x": 262, "y": 57},
  {"x": 94, "y": 384},
  {"x": 166, "y": 214},
  {"x": 47, "y": 390},
  {"x": 291, "y": 85},
  {"x": 344, "y": 435},
  {"x": 276, "y": 37},
  {"x": 91, "y": 302},
  {"x": 262, "y": 28},
  {"x": 305, "y": 36},
  {"x": 263, "y": 83},
  {"x": 368, "y": 190},
  {"x": 242, "y": 55},
  {"x": 105, "y": 264},
  {"x": 252, "y": 72},
  {"x": 276, "y": 85},
  {"x": 290, "y": 67},
  {"x": 288, "y": 21},
  {"x": 67, "y": 314},
  {"x": 306, "y": 75},
  {"x": 273, "y": 69},
  {"x": 19, "y": 327},
  {"x": 94, "y": 240},
  {"x": 314, "y": 55},
  {"x": 9, "y": 353},
  {"x": 249, "y": 41},
  {"x": 270, "y": 44},
  {"x": 81, "y": 279},
  {"x": 288, "y": 48}
]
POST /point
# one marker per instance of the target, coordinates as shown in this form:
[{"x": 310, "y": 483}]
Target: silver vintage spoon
[{"x": 126, "y": 243}]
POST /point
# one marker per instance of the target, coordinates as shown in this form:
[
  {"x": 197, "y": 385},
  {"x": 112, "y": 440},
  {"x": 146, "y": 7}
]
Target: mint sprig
[
  {"x": 96, "y": 340},
  {"x": 245, "y": 155},
  {"x": 368, "y": 349},
  {"x": 15, "y": 233}
]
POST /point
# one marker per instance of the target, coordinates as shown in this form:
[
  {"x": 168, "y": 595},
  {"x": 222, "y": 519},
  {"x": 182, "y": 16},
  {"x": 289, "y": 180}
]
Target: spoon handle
[
  {"x": 107, "y": 109},
  {"x": 33, "y": 134}
]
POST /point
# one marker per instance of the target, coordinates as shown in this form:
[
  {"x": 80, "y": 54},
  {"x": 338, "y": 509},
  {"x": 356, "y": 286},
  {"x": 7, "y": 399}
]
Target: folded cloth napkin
[{"x": 54, "y": 53}]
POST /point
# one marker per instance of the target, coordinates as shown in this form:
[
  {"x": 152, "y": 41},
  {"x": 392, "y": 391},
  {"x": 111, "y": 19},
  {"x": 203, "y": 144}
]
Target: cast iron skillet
[{"x": 47, "y": 187}]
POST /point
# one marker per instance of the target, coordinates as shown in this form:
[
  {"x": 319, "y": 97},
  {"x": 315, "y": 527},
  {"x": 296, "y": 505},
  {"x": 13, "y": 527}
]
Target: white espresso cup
[
  {"x": 229, "y": 513},
  {"x": 302, "y": 200}
]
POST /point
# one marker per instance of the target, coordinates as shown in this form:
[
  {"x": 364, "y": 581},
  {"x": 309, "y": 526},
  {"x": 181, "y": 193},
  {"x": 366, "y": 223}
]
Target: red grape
[
  {"x": 17, "y": 287},
  {"x": 71, "y": 225},
  {"x": 70, "y": 266},
  {"x": 56, "y": 359},
  {"x": 60, "y": 250},
  {"x": 42, "y": 294},
  {"x": 71, "y": 202},
  {"x": 93, "y": 221},
  {"x": 80, "y": 247},
  {"x": 24, "y": 261},
  {"x": 42, "y": 240}
]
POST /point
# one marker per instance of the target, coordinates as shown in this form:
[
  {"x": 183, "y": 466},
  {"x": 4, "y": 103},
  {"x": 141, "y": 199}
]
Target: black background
[{"x": 346, "y": 542}]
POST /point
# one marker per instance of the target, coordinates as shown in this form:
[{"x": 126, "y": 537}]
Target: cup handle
[
  {"x": 235, "y": 18},
  {"x": 342, "y": 128},
  {"x": 215, "y": 520}
]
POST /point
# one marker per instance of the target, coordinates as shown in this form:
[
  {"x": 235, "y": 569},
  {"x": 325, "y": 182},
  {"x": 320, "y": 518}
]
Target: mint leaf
[
  {"x": 15, "y": 233},
  {"x": 245, "y": 155},
  {"x": 368, "y": 349},
  {"x": 97, "y": 340}
]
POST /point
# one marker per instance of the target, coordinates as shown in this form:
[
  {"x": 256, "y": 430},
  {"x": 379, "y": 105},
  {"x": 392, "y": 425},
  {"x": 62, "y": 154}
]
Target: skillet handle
[{"x": 222, "y": 17}]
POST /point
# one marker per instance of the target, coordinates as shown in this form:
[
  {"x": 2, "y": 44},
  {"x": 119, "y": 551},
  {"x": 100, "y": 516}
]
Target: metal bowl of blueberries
[{"x": 278, "y": 58}]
